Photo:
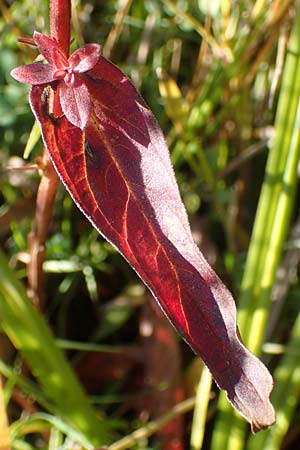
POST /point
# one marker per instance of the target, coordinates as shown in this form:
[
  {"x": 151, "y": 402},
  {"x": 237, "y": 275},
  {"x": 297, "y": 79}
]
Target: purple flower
[{"x": 67, "y": 73}]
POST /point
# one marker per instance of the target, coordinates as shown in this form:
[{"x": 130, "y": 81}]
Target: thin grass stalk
[
  {"x": 201, "y": 408},
  {"x": 28, "y": 387},
  {"x": 273, "y": 189},
  {"x": 272, "y": 219},
  {"x": 115, "y": 32},
  {"x": 270, "y": 229},
  {"x": 152, "y": 427},
  {"x": 208, "y": 37},
  {"x": 287, "y": 375},
  {"x": 258, "y": 9},
  {"x": 285, "y": 397},
  {"x": 41, "y": 422},
  {"x": 4, "y": 430},
  {"x": 30, "y": 335}
]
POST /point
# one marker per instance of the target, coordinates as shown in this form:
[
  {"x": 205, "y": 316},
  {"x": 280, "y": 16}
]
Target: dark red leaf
[{"x": 119, "y": 173}]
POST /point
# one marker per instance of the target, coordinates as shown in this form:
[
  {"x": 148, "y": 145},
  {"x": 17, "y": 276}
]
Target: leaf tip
[
  {"x": 13, "y": 73},
  {"x": 249, "y": 389}
]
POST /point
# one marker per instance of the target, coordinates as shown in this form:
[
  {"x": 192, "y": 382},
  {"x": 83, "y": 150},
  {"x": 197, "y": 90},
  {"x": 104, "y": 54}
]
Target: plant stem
[
  {"x": 60, "y": 20},
  {"x": 37, "y": 238}
]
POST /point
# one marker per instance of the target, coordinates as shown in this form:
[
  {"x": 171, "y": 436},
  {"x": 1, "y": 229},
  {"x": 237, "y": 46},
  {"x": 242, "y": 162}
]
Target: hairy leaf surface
[{"x": 118, "y": 171}]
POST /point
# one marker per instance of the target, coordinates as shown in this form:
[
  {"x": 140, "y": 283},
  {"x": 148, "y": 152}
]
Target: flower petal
[
  {"x": 85, "y": 58},
  {"x": 36, "y": 73},
  {"x": 49, "y": 48},
  {"x": 75, "y": 103}
]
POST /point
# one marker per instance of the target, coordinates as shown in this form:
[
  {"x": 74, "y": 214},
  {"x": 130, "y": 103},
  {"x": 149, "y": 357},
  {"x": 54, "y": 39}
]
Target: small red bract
[{"x": 69, "y": 75}]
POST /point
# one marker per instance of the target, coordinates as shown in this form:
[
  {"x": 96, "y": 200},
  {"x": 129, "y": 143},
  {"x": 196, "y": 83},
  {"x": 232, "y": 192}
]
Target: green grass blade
[
  {"x": 31, "y": 336},
  {"x": 32, "y": 140},
  {"x": 269, "y": 233},
  {"x": 285, "y": 397},
  {"x": 43, "y": 422},
  {"x": 28, "y": 387},
  {"x": 200, "y": 411}
]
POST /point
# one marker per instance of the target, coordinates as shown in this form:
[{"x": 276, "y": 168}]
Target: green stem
[
  {"x": 285, "y": 397},
  {"x": 200, "y": 411}
]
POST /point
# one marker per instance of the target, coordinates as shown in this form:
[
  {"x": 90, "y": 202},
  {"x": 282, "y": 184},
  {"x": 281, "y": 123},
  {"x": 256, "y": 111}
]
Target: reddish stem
[
  {"x": 60, "y": 23},
  {"x": 60, "y": 18},
  {"x": 37, "y": 238}
]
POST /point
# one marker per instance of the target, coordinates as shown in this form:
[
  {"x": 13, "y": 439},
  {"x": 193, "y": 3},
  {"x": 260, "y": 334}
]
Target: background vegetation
[{"x": 223, "y": 79}]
